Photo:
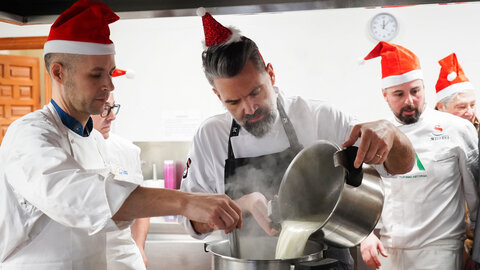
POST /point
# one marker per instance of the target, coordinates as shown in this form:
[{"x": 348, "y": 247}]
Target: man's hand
[
  {"x": 376, "y": 141},
  {"x": 382, "y": 143},
  {"x": 369, "y": 248},
  {"x": 212, "y": 212},
  {"x": 256, "y": 204}
]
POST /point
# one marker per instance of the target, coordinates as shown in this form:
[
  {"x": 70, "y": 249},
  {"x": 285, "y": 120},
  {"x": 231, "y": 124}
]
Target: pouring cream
[{"x": 293, "y": 238}]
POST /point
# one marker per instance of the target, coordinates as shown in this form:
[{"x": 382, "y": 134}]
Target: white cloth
[
  {"x": 57, "y": 196},
  {"x": 124, "y": 158},
  {"x": 427, "y": 205},
  {"x": 438, "y": 256},
  {"x": 312, "y": 121}
]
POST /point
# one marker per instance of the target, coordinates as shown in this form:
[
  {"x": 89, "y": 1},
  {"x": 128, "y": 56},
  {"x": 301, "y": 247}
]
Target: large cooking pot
[
  {"x": 258, "y": 253},
  {"x": 322, "y": 185}
]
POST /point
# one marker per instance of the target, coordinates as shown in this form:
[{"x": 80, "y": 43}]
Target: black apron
[{"x": 258, "y": 174}]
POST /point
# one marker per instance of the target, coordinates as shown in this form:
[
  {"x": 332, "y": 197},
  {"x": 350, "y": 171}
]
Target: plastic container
[
  {"x": 169, "y": 174},
  {"x": 170, "y": 183}
]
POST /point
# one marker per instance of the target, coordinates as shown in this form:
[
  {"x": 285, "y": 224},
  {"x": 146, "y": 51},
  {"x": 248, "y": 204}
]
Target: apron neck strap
[{"x": 288, "y": 126}]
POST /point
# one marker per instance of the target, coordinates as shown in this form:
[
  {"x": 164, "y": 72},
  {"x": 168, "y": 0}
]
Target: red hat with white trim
[
  {"x": 82, "y": 29},
  {"x": 399, "y": 65},
  {"x": 130, "y": 74},
  {"x": 215, "y": 33},
  {"x": 451, "y": 79}
]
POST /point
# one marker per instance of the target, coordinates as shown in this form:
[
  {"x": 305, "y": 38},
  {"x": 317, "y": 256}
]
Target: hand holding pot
[
  {"x": 256, "y": 204},
  {"x": 381, "y": 142},
  {"x": 369, "y": 248}
]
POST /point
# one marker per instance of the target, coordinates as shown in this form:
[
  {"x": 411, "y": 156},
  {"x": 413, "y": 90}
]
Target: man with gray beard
[
  {"x": 423, "y": 215},
  {"x": 245, "y": 151}
]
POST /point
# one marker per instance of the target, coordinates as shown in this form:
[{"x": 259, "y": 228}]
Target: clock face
[{"x": 383, "y": 27}]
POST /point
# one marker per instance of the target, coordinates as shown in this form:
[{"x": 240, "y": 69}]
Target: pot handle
[
  {"x": 345, "y": 158},
  {"x": 323, "y": 264}
]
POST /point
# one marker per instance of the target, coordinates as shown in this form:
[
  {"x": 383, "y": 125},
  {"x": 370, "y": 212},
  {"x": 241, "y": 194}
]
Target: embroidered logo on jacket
[{"x": 439, "y": 134}]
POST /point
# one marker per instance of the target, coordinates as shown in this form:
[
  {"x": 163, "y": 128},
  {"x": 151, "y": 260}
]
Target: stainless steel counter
[{"x": 169, "y": 246}]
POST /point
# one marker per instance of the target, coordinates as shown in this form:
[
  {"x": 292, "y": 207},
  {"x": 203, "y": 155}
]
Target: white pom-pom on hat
[
  {"x": 451, "y": 76},
  {"x": 130, "y": 74},
  {"x": 201, "y": 11}
]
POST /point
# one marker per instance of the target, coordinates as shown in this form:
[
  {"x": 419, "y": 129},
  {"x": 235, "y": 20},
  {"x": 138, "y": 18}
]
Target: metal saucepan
[
  {"x": 321, "y": 185},
  {"x": 258, "y": 253}
]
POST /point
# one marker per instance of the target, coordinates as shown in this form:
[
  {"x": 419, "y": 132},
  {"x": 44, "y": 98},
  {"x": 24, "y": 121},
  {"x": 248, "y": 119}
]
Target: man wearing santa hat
[
  {"x": 245, "y": 151},
  {"x": 455, "y": 93},
  {"x": 423, "y": 215},
  {"x": 58, "y": 197}
]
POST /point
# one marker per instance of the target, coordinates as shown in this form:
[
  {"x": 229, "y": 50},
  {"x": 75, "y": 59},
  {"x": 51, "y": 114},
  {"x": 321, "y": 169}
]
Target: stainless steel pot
[
  {"x": 258, "y": 253},
  {"x": 314, "y": 188}
]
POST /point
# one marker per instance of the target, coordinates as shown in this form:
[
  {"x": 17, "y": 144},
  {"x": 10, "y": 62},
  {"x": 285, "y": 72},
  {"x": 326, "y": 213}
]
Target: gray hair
[
  {"x": 446, "y": 100},
  {"x": 226, "y": 61}
]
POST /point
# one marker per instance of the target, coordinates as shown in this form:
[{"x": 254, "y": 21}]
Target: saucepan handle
[{"x": 345, "y": 158}]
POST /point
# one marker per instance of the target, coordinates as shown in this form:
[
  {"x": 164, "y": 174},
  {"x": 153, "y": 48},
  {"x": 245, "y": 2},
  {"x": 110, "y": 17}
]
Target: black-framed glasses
[{"x": 107, "y": 109}]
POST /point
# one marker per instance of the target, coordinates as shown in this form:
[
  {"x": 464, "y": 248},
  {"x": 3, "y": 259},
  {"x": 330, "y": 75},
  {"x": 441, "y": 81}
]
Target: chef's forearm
[
  {"x": 401, "y": 157},
  {"x": 151, "y": 202}
]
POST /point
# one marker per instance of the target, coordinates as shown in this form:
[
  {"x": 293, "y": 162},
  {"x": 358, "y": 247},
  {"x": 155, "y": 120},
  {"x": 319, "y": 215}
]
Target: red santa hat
[
  {"x": 399, "y": 65},
  {"x": 215, "y": 33},
  {"x": 130, "y": 74},
  {"x": 82, "y": 29},
  {"x": 451, "y": 78}
]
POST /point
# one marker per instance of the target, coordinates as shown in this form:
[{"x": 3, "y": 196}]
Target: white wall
[{"x": 315, "y": 54}]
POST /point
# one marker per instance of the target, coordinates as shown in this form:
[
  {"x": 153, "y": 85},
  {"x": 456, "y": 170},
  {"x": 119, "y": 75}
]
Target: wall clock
[{"x": 383, "y": 27}]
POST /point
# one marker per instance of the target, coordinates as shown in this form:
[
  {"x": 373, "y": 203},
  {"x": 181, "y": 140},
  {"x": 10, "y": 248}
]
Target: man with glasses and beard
[
  {"x": 422, "y": 221},
  {"x": 245, "y": 151}
]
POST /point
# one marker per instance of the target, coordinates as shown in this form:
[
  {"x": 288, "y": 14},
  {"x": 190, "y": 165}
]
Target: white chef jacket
[
  {"x": 312, "y": 120},
  {"x": 427, "y": 205},
  {"x": 124, "y": 158},
  {"x": 57, "y": 196}
]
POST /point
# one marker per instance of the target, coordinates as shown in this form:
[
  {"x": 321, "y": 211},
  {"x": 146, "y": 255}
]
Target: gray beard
[{"x": 262, "y": 127}]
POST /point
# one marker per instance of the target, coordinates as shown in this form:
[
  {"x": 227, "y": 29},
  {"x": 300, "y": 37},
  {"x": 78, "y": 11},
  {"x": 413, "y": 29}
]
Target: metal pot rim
[{"x": 310, "y": 257}]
